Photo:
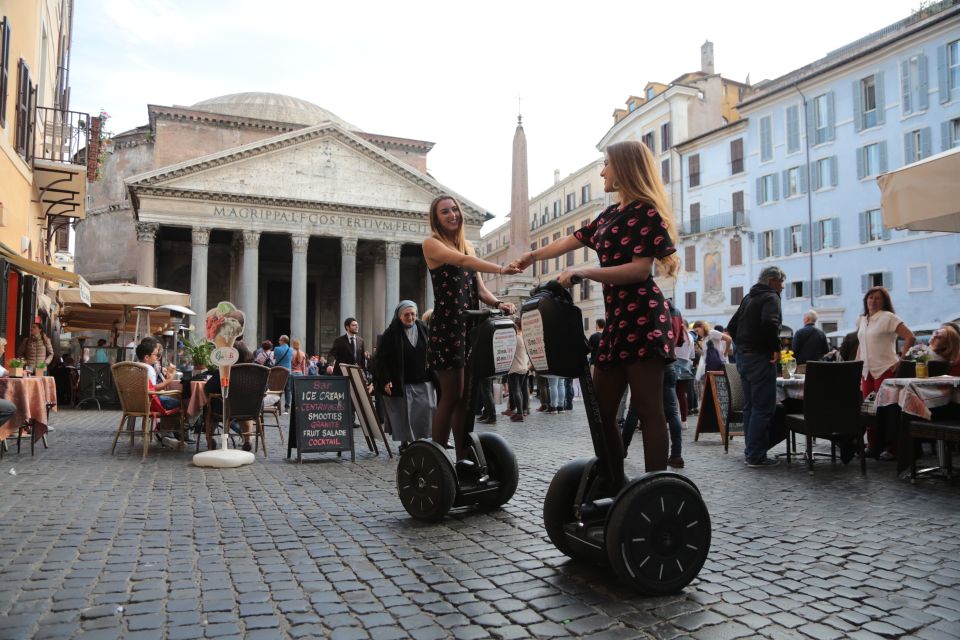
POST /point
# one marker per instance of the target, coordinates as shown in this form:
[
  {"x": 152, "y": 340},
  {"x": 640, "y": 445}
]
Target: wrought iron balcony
[
  {"x": 64, "y": 159},
  {"x": 728, "y": 220}
]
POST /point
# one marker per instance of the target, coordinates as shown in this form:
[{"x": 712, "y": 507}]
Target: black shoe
[
  {"x": 246, "y": 446},
  {"x": 847, "y": 450},
  {"x": 467, "y": 471}
]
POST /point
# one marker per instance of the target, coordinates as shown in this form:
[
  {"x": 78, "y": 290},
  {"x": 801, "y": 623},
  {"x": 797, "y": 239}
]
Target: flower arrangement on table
[
  {"x": 787, "y": 362},
  {"x": 920, "y": 353}
]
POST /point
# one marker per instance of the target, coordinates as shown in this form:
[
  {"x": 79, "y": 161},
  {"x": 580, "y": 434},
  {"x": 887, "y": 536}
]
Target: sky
[{"x": 447, "y": 72}]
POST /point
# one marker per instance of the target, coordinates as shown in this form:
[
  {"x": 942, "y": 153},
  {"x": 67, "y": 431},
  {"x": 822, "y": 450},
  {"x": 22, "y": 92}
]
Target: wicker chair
[
  {"x": 276, "y": 382},
  {"x": 132, "y": 384},
  {"x": 248, "y": 384}
]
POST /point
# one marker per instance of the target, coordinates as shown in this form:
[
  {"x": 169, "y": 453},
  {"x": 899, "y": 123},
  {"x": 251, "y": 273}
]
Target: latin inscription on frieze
[{"x": 320, "y": 221}]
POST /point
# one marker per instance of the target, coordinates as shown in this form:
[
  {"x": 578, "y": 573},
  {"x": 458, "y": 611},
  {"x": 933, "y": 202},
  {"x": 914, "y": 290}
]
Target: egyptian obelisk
[{"x": 518, "y": 286}]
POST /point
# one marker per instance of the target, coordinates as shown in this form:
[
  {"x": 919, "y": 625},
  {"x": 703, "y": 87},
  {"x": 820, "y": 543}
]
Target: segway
[
  {"x": 430, "y": 484},
  {"x": 654, "y": 531}
]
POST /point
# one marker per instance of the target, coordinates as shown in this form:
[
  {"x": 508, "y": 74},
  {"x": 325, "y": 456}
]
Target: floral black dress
[
  {"x": 455, "y": 291},
  {"x": 638, "y": 317}
]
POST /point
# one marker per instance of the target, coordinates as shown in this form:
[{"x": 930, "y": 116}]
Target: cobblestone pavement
[{"x": 324, "y": 549}]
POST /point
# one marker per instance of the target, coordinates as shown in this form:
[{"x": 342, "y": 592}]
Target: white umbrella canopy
[
  {"x": 113, "y": 306},
  {"x": 923, "y": 196}
]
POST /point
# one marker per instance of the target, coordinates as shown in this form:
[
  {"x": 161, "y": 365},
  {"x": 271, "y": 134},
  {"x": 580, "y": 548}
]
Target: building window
[
  {"x": 767, "y": 189},
  {"x": 556, "y": 209},
  {"x": 690, "y": 258},
  {"x": 666, "y": 140},
  {"x": 693, "y": 168},
  {"x": 822, "y": 118},
  {"x": 649, "y": 140},
  {"x": 829, "y": 287},
  {"x": 951, "y": 134},
  {"x": 876, "y": 279},
  {"x": 690, "y": 300},
  {"x": 586, "y": 323},
  {"x": 829, "y": 327},
  {"x": 556, "y": 261},
  {"x": 766, "y": 139},
  {"x": 793, "y": 129},
  {"x": 953, "y": 65},
  {"x": 736, "y": 199},
  {"x": 871, "y": 226},
  {"x": 824, "y": 173},
  {"x": 827, "y": 234},
  {"x": 868, "y": 102},
  {"x": 571, "y": 201},
  {"x": 585, "y": 194},
  {"x": 736, "y": 251},
  {"x": 533, "y": 247},
  {"x": 570, "y": 254},
  {"x": 585, "y": 290},
  {"x": 26, "y": 101},
  {"x": 768, "y": 246},
  {"x": 914, "y": 84},
  {"x": 4, "y": 68},
  {"x": 546, "y": 214},
  {"x": 736, "y": 295},
  {"x": 916, "y": 145},
  {"x": 919, "y": 277},
  {"x": 586, "y": 249},
  {"x": 665, "y": 171},
  {"x": 544, "y": 264},
  {"x": 736, "y": 156},
  {"x": 796, "y": 289},
  {"x": 792, "y": 183},
  {"x": 953, "y": 274},
  {"x": 795, "y": 238},
  {"x": 872, "y": 160}
]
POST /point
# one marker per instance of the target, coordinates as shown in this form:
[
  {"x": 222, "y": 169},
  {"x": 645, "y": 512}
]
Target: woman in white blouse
[{"x": 878, "y": 329}]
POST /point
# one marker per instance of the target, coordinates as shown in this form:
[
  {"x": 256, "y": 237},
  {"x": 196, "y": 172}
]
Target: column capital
[
  {"x": 348, "y": 246},
  {"x": 147, "y": 231},
  {"x": 393, "y": 249},
  {"x": 201, "y": 235},
  {"x": 251, "y": 239},
  {"x": 299, "y": 242}
]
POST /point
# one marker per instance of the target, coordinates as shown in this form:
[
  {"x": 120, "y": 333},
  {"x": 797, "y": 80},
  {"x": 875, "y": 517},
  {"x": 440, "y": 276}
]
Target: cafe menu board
[{"x": 322, "y": 416}]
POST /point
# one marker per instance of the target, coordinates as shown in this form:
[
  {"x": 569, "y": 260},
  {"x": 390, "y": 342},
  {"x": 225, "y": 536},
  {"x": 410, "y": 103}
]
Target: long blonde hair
[
  {"x": 460, "y": 242},
  {"x": 638, "y": 178}
]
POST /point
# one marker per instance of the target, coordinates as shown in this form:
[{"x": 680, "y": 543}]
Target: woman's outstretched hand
[
  {"x": 522, "y": 262},
  {"x": 510, "y": 269}
]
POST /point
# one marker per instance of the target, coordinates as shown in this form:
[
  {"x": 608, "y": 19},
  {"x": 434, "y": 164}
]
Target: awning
[
  {"x": 40, "y": 270},
  {"x": 923, "y": 196}
]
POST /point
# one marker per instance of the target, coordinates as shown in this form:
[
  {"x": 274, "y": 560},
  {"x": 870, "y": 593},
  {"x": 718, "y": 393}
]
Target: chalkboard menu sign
[
  {"x": 715, "y": 408},
  {"x": 322, "y": 416}
]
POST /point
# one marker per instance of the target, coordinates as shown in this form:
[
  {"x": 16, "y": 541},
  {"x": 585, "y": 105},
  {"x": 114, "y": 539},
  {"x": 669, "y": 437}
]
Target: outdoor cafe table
[
  {"x": 790, "y": 388},
  {"x": 198, "y": 399},
  {"x": 30, "y": 396}
]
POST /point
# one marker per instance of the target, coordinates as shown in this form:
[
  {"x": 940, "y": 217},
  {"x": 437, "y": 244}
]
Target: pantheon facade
[{"x": 271, "y": 202}]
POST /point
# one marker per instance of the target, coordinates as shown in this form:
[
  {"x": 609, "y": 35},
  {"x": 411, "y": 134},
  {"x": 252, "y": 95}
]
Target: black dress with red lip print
[
  {"x": 638, "y": 316},
  {"x": 455, "y": 291}
]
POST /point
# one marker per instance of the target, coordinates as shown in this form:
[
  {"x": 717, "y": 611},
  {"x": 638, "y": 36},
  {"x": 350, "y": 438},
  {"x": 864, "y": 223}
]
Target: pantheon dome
[{"x": 272, "y": 106}]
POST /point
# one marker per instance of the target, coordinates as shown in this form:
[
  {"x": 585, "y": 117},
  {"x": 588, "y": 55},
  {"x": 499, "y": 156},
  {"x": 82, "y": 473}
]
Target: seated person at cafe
[
  {"x": 148, "y": 352},
  {"x": 945, "y": 344},
  {"x": 212, "y": 388},
  {"x": 100, "y": 353},
  {"x": 7, "y": 409}
]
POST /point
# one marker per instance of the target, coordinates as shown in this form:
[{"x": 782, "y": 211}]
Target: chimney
[
  {"x": 556, "y": 176},
  {"x": 706, "y": 57}
]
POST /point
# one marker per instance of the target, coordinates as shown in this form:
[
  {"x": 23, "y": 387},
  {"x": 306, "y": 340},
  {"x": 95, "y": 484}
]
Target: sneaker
[
  {"x": 762, "y": 464},
  {"x": 170, "y": 442},
  {"x": 676, "y": 462},
  {"x": 887, "y": 456}
]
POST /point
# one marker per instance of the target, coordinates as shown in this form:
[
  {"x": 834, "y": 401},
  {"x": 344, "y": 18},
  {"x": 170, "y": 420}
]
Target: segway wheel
[
  {"x": 426, "y": 481},
  {"x": 658, "y": 533},
  {"x": 501, "y": 466},
  {"x": 558, "y": 510}
]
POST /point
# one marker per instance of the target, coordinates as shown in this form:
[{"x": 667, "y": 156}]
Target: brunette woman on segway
[
  {"x": 654, "y": 531},
  {"x": 428, "y": 484}
]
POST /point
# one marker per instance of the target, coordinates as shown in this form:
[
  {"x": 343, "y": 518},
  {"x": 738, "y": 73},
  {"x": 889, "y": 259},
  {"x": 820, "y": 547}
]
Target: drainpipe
[{"x": 810, "y": 229}]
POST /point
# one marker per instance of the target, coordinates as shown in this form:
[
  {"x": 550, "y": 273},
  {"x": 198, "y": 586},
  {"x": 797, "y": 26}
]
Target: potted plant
[
  {"x": 199, "y": 353},
  {"x": 16, "y": 368},
  {"x": 920, "y": 354},
  {"x": 41, "y": 369}
]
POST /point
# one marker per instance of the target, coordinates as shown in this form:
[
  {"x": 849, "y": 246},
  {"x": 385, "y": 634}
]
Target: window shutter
[
  {"x": 885, "y": 234},
  {"x": 817, "y": 237},
  {"x": 760, "y": 185},
  {"x": 811, "y": 124},
  {"x": 816, "y": 288},
  {"x": 926, "y": 146},
  {"x": 793, "y": 129},
  {"x": 760, "y": 245},
  {"x": 857, "y": 106},
  {"x": 4, "y": 73},
  {"x": 883, "y": 156},
  {"x": 786, "y": 181},
  {"x": 923, "y": 84},
  {"x": 942, "y": 74},
  {"x": 805, "y": 237},
  {"x": 803, "y": 179},
  {"x": 777, "y": 243},
  {"x": 836, "y": 286},
  {"x": 864, "y": 282},
  {"x": 945, "y": 136},
  {"x": 831, "y": 115},
  {"x": 863, "y": 227},
  {"x": 833, "y": 171},
  {"x": 952, "y": 274},
  {"x": 908, "y": 149},
  {"x": 776, "y": 186},
  {"x": 815, "y": 177},
  {"x": 861, "y": 171},
  {"x": 787, "y": 242},
  {"x": 887, "y": 278},
  {"x": 878, "y": 89},
  {"x": 906, "y": 98},
  {"x": 836, "y": 233}
]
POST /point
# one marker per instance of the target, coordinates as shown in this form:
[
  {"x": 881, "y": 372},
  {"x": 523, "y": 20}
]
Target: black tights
[
  {"x": 645, "y": 378},
  {"x": 451, "y": 409}
]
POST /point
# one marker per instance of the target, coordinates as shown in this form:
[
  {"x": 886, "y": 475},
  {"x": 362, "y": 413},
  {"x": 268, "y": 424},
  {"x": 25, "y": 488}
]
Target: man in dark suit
[{"x": 347, "y": 349}]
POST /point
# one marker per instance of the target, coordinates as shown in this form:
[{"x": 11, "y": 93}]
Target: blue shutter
[
  {"x": 803, "y": 179},
  {"x": 787, "y": 241},
  {"x": 831, "y": 115},
  {"x": 815, "y": 177},
  {"x": 881, "y": 108},
  {"x": 861, "y": 171},
  {"x": 833, "y": 171},
  {"x": 923, "y": 83},
  {"x": 817, "y": 238},
  {"x": 786, "y": 181},
  {"x": 944, "y": 135},
  {"x": 777, "y": 243},
  {"x": 836, "y": 286},
  {"x": 857, "y": 106},
  {"x": 836, "y": 233},
  {"x": 760, "y": 255},
  {"x": 942, "y": 74},
  {"x": 863, "y": 226},
  {"x": 885, "y": 234},
  {"x": 760, "y": 191},
  {"x": 906, "y": 97},
  {"x": 776, "y": 186},
  {"x": 816, "y": 288},
  {"x": 926, "y": 145},
  {"x": 952, "y": 274},
  {"x": 908, "y": 149},
  {"x": 883, "y": 156},
  {"x": 887, "y": 277},
  {"x": 864, "y": 282},
  {"x": 793, "y": 129},
  {"x": 805, "y": 237},
  {"x": 811, "y": 131}
]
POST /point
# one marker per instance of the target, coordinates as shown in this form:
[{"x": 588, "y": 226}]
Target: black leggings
[{"x": 645, "y": 378}]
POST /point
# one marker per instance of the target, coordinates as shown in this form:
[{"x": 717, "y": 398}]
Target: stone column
[
  {"x": 198, "y": 279},
  {"x": 427, "y": 290},
  {"x": 146, "y": 248},
  {"x": 379, "y": 291},
  {"x": 393, "y": 280},
  {"x": 249, "y": 285},
  {"x": 348, "y": 279},
  {"x": 298, "y": 289}
]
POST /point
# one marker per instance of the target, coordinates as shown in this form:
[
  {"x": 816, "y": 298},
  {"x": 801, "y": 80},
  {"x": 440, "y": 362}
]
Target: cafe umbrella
[{"x": 923, "y": 196}]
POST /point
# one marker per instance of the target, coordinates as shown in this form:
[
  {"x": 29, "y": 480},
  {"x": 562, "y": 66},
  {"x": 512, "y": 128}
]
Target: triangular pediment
[{"x": 322, "y": 165}]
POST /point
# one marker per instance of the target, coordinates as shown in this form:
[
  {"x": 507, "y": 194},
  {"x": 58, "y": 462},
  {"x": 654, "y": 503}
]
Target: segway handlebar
[{"x": 481, "y": 313}]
